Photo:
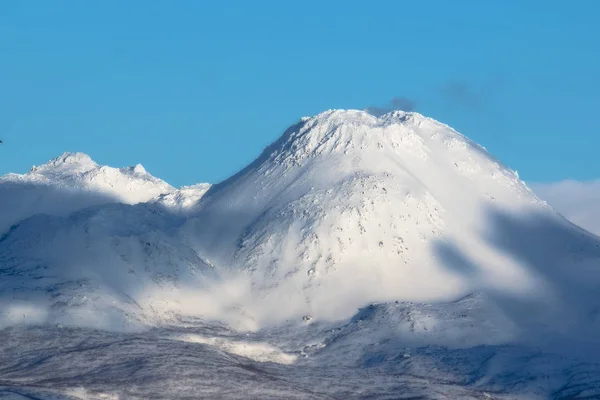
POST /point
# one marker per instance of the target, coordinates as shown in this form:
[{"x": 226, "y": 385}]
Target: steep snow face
[
  {"x": 347, "y": 209},
  {"x": 72, "y": 182}
]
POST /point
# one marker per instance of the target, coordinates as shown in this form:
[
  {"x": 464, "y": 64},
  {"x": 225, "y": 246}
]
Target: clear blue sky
[{"x": 194, "y": 90}]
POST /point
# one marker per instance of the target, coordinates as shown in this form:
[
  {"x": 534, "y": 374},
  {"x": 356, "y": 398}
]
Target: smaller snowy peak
[
  {"x": 72, "y": 163},
  {"x": 71, "y": 158},
  {"x": 77, "y": 163},
  {"x": 78, "y": 171},
  {"x": 70, "y": 166},
  {"x": 73, "y": 182},
  {"x": 139, "y": 170}
]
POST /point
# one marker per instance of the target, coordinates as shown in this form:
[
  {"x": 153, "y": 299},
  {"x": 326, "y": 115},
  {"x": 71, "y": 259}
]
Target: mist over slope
[
  {"x": 578, "y": 201},
  {"x": 348, "y": 242}
]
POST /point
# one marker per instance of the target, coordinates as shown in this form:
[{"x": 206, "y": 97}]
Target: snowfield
[{"x": 357, "y": 257}]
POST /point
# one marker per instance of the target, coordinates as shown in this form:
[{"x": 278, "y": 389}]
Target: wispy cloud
[
  {"x": 396, "y": 103},
  {"x": 473, "y": 94},
  {"x": 576, "y": 200},
  {"x": 403, "y": 103},
  {"x": 462, "y": 93}
]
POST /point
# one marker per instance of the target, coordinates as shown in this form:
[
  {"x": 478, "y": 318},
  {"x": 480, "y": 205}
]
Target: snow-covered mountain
[
  {"x": 84, "y": 237},
  {"x": 70, "y": 183},
  {"x": 352, "y": 242},
  {"x": 346, "y": 209}
]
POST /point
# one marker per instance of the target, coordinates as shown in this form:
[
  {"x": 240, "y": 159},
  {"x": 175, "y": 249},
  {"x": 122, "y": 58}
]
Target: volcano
[{"x": 353, "y": 243}]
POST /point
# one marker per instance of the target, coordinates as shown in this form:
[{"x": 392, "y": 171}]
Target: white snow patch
[
  {"x": 257, "y": 351},
  {"x": 85, "y": 394}
]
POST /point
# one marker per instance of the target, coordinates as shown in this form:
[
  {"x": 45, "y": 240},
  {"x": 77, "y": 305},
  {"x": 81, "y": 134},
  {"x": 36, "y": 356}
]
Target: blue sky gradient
[{"x": 195, "y": 90}]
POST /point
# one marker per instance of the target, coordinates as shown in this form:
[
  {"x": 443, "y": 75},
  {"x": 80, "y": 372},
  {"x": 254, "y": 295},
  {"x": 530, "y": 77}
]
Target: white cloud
[{"x": 578, "y": 201}]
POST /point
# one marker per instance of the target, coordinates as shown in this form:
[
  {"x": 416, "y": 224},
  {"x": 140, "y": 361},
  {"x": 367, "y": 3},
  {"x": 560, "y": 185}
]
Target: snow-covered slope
[{"x": 70, "y": 183}]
